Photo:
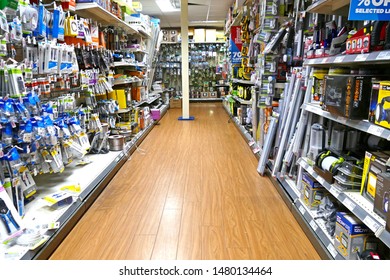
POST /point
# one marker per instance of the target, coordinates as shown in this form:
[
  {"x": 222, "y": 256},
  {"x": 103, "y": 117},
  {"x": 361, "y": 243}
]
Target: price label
[
  {"x": 325, "y": 60},
  {"x": 332, "y": 250},
  {"x": 342, "y": 120},
  {"x": 321, "y": 180},
  {"x": 339, "y": 59},
  {"x": 349, "y": 204},
  {"x": 361, "y": 57},
  {"x": 251, "y": 143},
  {"x": 316, "y": 110},
  {"x": 334, "y": 191},
  {"x": 302, "y": 210},
  {"x": 383, "y": 55},
  {"x": 313, "y": 225},
  {"x": 376, "y": 130},
  {"x": 373, "y": 225},
  {"x": 256, "y": 150}
]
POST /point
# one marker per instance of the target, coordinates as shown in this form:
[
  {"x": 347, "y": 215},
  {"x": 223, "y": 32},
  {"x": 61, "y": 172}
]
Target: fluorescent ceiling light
[{"x": 166, "y": 6}]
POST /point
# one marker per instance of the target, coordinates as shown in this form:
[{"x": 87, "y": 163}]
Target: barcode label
[
  {"x": 302, "y": 210},
  {"x": 313, "y": 225},
  {"x": 349, "y": 204},
  {"x": 325, "y": 60},
  {"x": 332, "y": 250},
  {"x": 256, "y": 150},
  {"x": 251, "y": 143},
  {"x": 339, "y": 59},
  {"x": 371, "y": 223}
]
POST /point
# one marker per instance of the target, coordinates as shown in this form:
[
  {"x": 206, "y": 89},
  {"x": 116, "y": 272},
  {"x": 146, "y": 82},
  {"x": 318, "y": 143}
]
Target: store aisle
[{"x": 191, "y": 191}]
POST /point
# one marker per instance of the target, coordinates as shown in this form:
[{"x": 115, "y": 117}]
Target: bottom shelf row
[{"x": 43, "y": 227}]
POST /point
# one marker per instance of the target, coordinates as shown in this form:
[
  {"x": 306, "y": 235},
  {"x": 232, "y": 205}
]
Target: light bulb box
[{"x": 312, "y": 191}]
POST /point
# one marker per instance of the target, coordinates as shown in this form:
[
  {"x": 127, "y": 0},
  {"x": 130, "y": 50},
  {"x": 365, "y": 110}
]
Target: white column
[{"x": 184, "y": 60}]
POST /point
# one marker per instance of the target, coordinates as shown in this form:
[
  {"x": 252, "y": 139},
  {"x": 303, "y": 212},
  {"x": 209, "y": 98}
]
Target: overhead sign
[{"x": 369, "y": 10}]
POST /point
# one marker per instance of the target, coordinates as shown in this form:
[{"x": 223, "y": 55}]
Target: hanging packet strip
[
  {"x": 40, "y": 31},
  {"x": 28, "y": 16}
]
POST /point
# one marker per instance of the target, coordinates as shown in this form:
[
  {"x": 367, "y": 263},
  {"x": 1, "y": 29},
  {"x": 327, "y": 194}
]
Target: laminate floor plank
[{"x": 190, "y": 191}]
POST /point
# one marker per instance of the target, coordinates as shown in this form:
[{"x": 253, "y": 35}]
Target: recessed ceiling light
[{"x": 166, "y": 6}]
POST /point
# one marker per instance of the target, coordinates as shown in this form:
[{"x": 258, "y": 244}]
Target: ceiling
[{"x": 207, "y": 13}]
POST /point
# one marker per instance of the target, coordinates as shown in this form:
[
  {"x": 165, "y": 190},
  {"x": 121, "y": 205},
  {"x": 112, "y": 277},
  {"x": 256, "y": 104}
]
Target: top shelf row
[
  {"x": 373, "y": 58},
  {"x": 330, "y": 7},
  {"x": 104, "y": 17}
]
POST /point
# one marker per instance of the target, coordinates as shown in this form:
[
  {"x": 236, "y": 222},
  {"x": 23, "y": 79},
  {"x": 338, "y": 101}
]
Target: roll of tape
[{"x": 327, "y": 163}]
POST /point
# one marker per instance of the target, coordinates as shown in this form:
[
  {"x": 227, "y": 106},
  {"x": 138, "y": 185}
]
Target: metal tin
[{"x": 116, "y": 142}]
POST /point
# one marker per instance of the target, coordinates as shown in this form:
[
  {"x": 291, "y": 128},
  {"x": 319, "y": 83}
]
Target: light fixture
[
  {"x": 175, "y": 4},
  {"x": 168, "y": 5}
]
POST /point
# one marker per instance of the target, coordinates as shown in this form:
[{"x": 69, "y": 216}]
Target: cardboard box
[
  {"x": 382, "y": 195},
  {"x": 346, "y": 95},
  {"x": 312, "y": 192},
  {"x": 352, "y": 236},
  {"x": 374, "y": 163},
  {"x": 199, "y": 35},
  {"x": 211, "y": 35},
  {"x": 382, "y": 104},
  {"x": 175, "y": 103}
]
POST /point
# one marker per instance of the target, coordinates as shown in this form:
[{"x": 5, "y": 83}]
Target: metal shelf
[
  {"x": 126, "y": 81},
  {"x": 149, "y": 101},
  {"x": 246, "y": 82},
  {"x": 355, "y": 203},
  {"x": 242, "y": 101},
  {"x": 318, "y": 227},
  {"x": 127, "y": 64},
  {"x": 363, "y": 125},
  {"x": 368, "y": 59},
  {"x": 104, "y": 17},
  {"x": 330, "y": 7}
]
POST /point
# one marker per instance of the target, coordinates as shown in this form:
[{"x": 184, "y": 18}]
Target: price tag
[
  {"x": 373, "y": 225},
  {"x": 349, "y": 204},
  {"x": 376, "y": 130},
  {"x": 302, "y": 210},
  {"x": 342, "y": 120},
  {"x": 361, "y": 57},
  {"x": 313, "y": 225},
  {"x": 383, "y": 55},
  {"x": 339, "y": 59},
  {"x": 321, "y": 180},
  {"x": 334, "y": 191},
  {"x": 251, "y": 143},
  {"x": 332, "y": 250},
  {"x": 256, "y": 150},
  {"x": 325, "y": 60},
  {"x": 316, "y": 110}
]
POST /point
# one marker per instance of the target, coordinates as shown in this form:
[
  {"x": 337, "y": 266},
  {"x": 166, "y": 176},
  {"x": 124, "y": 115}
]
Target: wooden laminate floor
[{"x": 191, "y": 191}]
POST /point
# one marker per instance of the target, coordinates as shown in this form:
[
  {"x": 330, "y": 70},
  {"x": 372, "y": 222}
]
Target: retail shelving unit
[
  {"x": 351, "y": 200},
  {"x": 205, "y": 80},
  {"x": 99, "y": 167}
]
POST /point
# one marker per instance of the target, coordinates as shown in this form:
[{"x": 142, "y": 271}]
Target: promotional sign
[
  {"x": 369, "y": 10},
  {"x": 235, "y": 44}
]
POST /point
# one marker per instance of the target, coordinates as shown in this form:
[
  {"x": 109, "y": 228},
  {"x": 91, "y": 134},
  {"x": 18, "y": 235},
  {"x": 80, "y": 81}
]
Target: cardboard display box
[
  {"x": 382, "y": 195},
  {"x": 346, "y": 95},
  {"x": 312, "y": 192},
  {"x": 175, "y": 103},
  {"x": 352, "y": 236}
]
